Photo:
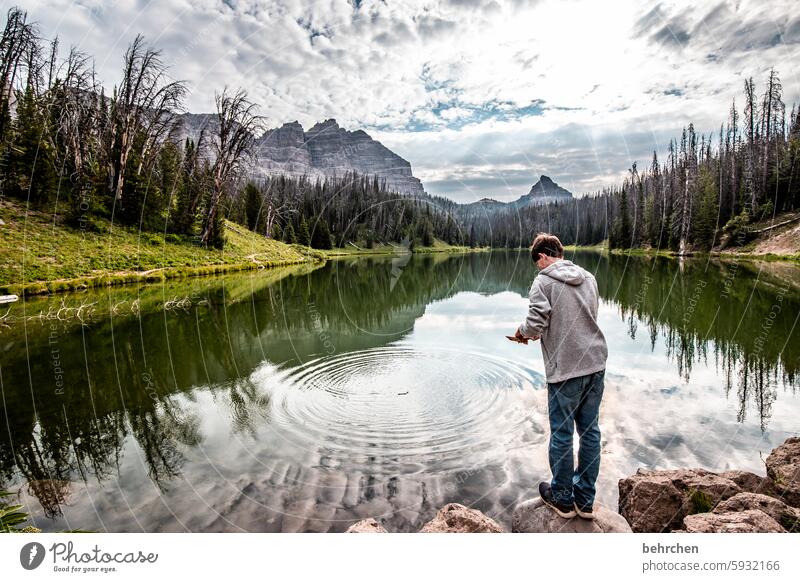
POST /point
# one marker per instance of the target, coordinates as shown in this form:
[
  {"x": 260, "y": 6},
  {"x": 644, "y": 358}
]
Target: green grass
[
  {"x": 40, "y": 254},
  {"x": 440, "y": 246},
  {"x": 349, "y": 250},
  {"x": 381, "y": 249},
  {"x": 601, "y": 247},
  {"x": 12, "y": 517}
]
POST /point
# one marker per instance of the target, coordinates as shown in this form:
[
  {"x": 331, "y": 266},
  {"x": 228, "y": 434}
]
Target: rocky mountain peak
[
  {"x": 546, "y": 188},
  {"x": 329, "y": 124},
  {"x": 544, "y": 191},
  {"x": 324, "y": 151}
]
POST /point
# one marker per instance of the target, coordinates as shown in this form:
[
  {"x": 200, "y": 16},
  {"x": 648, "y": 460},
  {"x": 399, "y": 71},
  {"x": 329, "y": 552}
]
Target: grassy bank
[
  {"x": 438, "y": 247},
  {"x": 40, "y": 254},
  {"x": 781, "y": 245},
  {"x": 442, "y": 247}
]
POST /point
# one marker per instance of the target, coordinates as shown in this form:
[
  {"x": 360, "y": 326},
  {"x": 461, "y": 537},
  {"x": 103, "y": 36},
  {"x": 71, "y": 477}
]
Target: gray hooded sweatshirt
[{"x": 563, "y": 312}]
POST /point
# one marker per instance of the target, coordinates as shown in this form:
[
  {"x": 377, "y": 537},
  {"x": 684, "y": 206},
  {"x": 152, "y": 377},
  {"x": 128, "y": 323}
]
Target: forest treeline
[
  {"x": 706, "y": 193},
  {"x": 67, "y": 147},
  {"x": 708, "y": 190}
]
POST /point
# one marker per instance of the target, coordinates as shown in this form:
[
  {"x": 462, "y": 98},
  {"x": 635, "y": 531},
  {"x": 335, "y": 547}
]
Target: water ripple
[{"x": 397, "y": 405}]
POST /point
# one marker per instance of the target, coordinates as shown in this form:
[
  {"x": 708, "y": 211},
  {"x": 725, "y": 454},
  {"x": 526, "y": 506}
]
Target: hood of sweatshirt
[{"x": 565, "y": 271}]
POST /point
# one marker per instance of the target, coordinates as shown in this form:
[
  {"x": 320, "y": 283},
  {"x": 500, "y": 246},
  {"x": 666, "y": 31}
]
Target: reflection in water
[
  {"x": 302, "y": 399},
  {"x": 745, "y": 314}
]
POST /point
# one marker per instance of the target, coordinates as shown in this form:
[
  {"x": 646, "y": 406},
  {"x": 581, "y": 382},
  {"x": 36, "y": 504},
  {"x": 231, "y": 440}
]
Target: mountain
[
  {"x": 325, "y": 150},
  {"x": 487, "y": 204},
  {"x": 543, "y": 192}
]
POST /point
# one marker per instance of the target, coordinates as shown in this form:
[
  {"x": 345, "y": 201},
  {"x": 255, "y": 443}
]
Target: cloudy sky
[{"x": 481, "y": 96}]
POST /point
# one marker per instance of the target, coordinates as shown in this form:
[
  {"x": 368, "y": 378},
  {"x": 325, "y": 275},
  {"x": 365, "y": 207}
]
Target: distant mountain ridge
[
  {"x": 327, "y": 150},
  {"x": 324, "y": 151},
  {"x": 544, "y": 191}
]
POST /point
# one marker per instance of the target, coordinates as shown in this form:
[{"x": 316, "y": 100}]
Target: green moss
[
  {"x": 700, "y": 502},
  {"x": 790, "y": 523}
]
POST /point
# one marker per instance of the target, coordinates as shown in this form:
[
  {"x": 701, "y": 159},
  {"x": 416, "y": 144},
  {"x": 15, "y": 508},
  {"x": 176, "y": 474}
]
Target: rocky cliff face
[{"x": 325, "y": 150}]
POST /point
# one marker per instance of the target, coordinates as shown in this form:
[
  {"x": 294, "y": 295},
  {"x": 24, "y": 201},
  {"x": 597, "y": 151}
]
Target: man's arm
[{"x": 538, "y": 312}]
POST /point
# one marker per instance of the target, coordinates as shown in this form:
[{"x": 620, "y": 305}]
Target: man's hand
[{"x": 522, "y": 339}]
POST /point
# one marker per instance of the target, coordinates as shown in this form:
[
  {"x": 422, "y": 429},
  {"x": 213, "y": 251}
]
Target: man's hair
[{"x": 546, "y": 244}]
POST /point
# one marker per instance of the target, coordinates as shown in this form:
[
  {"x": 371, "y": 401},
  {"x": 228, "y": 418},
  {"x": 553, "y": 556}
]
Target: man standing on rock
[{"x": 563, "y": 314}]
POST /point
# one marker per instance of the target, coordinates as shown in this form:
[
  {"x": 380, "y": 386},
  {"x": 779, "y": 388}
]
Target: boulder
[
  {"x": 456, "y": 518},
  {"x": 748, "y": 521},
  {"x": 786, "y": 515},
  {"x": 751, "y": 483},
  {"x": 533, "y": 516},
  {"x": 783, "y": 469},
  {"x": 657, "y": 501},
  {"x": 366, "y": 526}
]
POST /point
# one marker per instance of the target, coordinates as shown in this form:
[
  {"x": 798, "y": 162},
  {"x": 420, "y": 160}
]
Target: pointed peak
[
  {"x": 545, "y": 189},
  {"x": 327, "y": 125}
]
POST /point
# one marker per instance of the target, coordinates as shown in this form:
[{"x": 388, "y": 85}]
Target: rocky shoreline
[{"x": 658, "y": 501}]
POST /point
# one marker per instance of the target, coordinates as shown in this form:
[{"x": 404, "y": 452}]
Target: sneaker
[
  {"x": 584, "y": 513},
  {"x": 546, "y": 494}
]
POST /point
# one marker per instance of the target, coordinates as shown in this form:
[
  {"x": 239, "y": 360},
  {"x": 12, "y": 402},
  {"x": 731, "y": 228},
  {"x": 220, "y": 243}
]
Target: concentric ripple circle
[{"x": 400, "y": 407}]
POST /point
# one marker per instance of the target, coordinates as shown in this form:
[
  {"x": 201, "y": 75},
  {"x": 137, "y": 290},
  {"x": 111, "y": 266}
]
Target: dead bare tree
[
  {"x": 74, "y": 96},
  {"x": 236, "y": 128},
  {"x": 18, "y": 39},
  {"x": 145, "y": 102}
]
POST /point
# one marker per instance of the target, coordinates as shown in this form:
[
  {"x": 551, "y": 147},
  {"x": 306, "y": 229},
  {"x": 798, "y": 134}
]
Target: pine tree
[
  {"x": 321, "y": 238},
  {"x": 31, "y": 163},
  {"x": 427, "y": 233},
  {"x": 623, "y": 226},
  {"x": 253, "y": 203},
  {"x": 288, "y": 235},
  {"x": 705, "y": 222},
  {"x": 303, "y": 236}
]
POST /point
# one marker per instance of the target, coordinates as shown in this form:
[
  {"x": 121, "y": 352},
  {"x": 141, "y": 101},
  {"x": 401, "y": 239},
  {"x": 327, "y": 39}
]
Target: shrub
[
  {"x": 154, "y": 239},
  {"x": 737, "y": 230}
]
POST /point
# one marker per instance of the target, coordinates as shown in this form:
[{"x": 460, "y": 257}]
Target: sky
[{"x": 481, "y": 96}]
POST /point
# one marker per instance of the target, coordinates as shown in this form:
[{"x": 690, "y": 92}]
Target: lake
[{"x": 306, "y": 398}]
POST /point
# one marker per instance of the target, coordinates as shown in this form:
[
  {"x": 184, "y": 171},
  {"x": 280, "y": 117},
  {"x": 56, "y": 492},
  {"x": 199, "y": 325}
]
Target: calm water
[{"x": 306, "y": 398}]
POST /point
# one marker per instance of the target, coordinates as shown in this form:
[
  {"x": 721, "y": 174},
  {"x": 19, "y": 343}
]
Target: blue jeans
[{"x": 571, "y": 403}]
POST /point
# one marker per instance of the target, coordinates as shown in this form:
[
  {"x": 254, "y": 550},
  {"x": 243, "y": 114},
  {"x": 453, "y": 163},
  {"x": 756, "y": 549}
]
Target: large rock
[
  {"x": 783, "y": 468},
  {"x": 657, "y": 501},
  {"x": 751, "y": 483},
  {"x": 786, "y": 515},
  {"x": 748, "y": 521},
  {"x": 533, "y": 516},
  {"x": 456, "y": 518},
  {"x": 366, "y": 526}
]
